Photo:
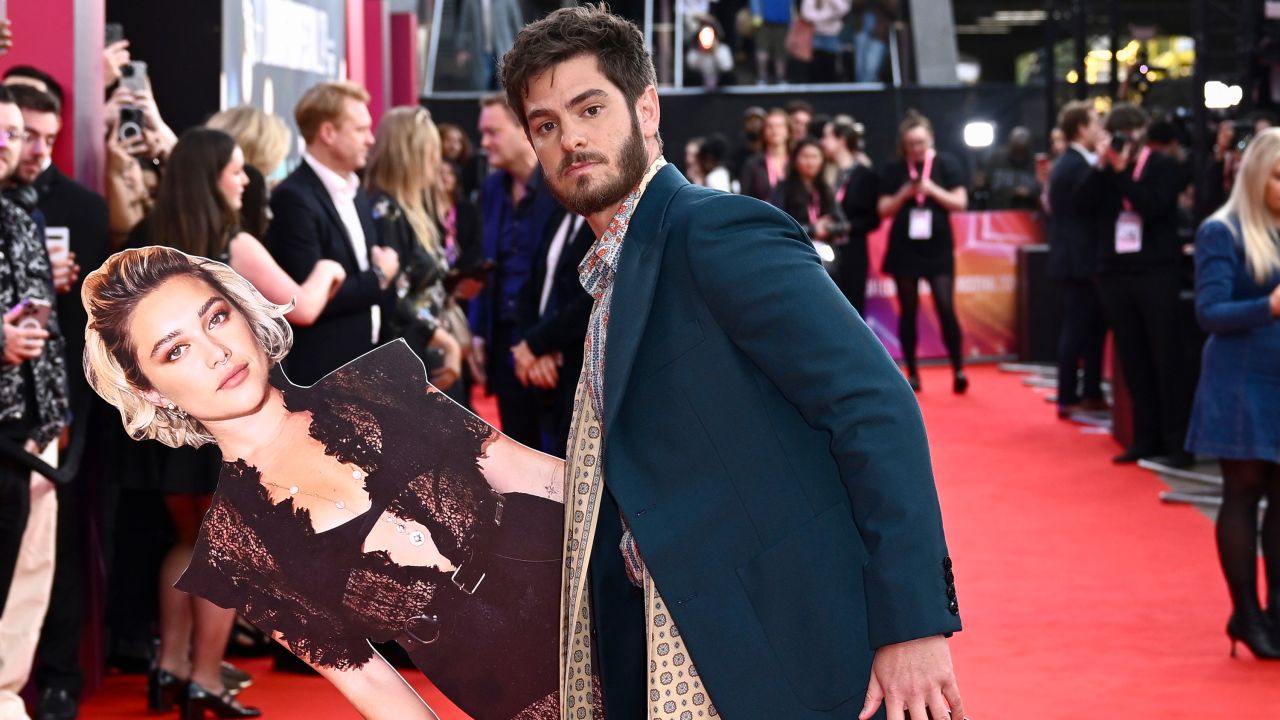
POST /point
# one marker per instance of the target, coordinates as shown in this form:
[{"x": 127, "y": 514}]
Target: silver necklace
[{"x": 416, "y": 538}]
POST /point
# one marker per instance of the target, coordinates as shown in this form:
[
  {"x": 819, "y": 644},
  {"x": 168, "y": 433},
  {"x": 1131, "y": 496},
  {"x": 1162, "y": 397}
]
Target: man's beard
[{"x": 587, "y": 197}]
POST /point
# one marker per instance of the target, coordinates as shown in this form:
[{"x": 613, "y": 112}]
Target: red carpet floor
[{"x": 1083, "y": 596}]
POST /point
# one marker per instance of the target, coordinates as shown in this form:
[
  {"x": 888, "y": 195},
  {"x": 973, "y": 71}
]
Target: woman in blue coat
[{"x": 1237, "y": 406}]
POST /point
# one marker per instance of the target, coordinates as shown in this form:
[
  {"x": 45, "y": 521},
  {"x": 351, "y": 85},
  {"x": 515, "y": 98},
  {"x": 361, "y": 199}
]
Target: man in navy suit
[
  {"x": 1073, "y": 261},
  {"x": 319, "y": 212},
  {"x": 751, "y": 519}
]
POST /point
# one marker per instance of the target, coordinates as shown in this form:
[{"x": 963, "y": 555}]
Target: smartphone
[
  {"x": 34, "y": 315},
  {"x": 115, "y": 32},
  {"x": 1118, "y": 141},
  {"x": 133, "y": 76},
  {"x": 57, "y": 240},
  {"x": 131, "y": 122}
]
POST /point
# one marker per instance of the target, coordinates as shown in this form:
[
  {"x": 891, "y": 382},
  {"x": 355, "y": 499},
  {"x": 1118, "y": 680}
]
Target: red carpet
[{"x": 1083, "y": 596}]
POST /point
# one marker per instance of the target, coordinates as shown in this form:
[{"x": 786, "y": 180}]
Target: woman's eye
[
  {"x": 177, "y": 351},
  {"x": 217, "y": 319}
]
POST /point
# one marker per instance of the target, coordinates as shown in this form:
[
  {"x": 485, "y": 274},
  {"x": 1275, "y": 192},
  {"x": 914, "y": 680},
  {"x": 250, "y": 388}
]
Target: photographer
[
  {"x": 138, "y": 143},
  {"x": 1135, "y": 193}
]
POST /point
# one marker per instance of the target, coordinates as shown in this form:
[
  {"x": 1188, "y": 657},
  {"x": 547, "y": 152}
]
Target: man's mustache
[{"x": 582, "y": 157}]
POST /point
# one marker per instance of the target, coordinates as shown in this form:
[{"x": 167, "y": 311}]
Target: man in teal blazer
[{"x": 759, "y": 444}]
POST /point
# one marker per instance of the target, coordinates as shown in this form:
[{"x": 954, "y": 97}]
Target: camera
[{"x": 1118, "y": 141}]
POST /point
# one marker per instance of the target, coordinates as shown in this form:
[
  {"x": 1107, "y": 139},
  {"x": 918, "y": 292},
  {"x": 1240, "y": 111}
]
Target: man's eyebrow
[{"x": 577, "y": 100}]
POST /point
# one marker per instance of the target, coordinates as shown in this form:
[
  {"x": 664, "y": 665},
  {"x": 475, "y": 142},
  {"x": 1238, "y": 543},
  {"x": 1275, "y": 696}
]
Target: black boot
[{"x": 1255, "y": 631}]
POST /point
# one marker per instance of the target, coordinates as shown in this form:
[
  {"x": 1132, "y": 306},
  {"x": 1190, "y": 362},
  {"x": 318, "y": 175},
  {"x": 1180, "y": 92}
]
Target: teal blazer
[{"x": 769, "y": 458}]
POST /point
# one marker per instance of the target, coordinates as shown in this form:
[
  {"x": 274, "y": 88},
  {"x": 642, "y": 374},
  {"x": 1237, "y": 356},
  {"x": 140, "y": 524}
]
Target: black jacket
[
  {"x": 306, "y": 227},
  {"x": 1073, "y": 224},
  {"x": 1154, "y": 196},
  {"x": 563, "y": 326},
  {"x": 67, "y": 203}
]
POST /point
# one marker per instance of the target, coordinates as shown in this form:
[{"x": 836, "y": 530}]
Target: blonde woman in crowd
[
  {"x": 403, "y": 182},
  {"x": 1237, "y": 405}
]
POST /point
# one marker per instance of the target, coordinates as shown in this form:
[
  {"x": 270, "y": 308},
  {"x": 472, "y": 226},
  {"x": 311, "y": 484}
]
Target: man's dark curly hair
[{"x": 616, "y": 43}]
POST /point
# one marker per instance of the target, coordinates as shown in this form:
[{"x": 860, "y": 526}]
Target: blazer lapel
[
  {"x": 326, "y": 202},
  {"x": 636, "y": 280}
]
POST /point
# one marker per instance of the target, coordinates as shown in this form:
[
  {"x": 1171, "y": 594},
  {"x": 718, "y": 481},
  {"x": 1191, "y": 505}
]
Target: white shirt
[
  {"x": 342, "y": 191},
  {"x": 1089, "y": 157},
  {"x": 568, "y": 229}
]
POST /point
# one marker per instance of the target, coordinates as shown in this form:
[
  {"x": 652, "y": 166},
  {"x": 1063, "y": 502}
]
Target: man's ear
[
  {"x": 648, "y": 112},
  {"x": 326, "y": 131}
]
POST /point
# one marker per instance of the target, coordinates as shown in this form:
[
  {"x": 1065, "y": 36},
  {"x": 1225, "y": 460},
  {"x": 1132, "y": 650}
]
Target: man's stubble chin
[{"x": 587, "y": 197}]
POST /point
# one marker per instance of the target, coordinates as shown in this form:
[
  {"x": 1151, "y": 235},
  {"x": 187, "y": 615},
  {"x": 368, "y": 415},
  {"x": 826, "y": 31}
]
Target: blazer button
[
  {"x": 951, "y": 591},
  {"x": 946, "y": 563},
  {"x": 949, "y": 576},
  {"x": 954, "y": 607}
]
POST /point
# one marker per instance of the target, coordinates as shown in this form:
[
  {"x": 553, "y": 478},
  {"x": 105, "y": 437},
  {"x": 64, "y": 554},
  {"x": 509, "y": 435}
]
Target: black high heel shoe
[
  {"x": 164, "y": 690},
  {"x": 224, "y": 705},
  {"x": 960, "y": 383},
  {"x": 914, "y": 381},
  {"x": 1255, "y": 633}
]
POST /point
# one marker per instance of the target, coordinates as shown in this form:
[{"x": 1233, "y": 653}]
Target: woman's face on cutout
[{"x": 198, "y": 351}]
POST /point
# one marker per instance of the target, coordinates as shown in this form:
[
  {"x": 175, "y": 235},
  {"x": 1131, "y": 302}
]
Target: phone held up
[
  {"x": 34, "y": 314},
  {"x": 133, "y": 77}
]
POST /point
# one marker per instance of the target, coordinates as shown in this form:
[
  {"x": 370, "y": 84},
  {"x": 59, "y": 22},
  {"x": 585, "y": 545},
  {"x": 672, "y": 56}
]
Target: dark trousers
[
  {"x": 518, "y": 406},
  {"x": 851, "y": 273},
  {"x": 15, "y": 506},
  {"x": 1143, "y": 311},
  {"x": 1084, "y": 332}
]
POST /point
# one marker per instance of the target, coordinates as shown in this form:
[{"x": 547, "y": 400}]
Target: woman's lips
[{"x": 236, "y": 377}]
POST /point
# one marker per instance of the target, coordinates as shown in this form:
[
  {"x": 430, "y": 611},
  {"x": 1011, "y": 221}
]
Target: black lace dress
[{"x": 485, "y": 635}]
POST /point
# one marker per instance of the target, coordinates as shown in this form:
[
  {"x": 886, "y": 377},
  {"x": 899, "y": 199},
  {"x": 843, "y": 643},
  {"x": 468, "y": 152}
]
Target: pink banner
[{"x": 986, "y": 285}]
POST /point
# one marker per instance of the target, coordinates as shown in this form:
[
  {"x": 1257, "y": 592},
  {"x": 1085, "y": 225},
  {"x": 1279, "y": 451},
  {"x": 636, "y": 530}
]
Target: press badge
[
  {"x": 920, "y": 225},
  {"x": 1128, "y": 233}
]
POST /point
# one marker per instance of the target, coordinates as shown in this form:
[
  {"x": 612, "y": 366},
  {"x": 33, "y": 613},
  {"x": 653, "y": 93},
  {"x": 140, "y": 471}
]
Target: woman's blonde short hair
[
  {"x": 1248, "y": 203},
  {"x": 263, "y": 138},
  {"x": 112, "y": 292}
]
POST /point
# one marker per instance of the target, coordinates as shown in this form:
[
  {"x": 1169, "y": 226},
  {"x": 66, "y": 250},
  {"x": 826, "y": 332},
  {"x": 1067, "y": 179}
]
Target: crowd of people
[{"x": 404, "y": 231}]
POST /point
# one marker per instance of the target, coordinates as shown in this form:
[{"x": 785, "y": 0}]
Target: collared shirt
[
  {"x": 342, "y": 191},
  {"x": 1089, "y": 157},
  {"x": 568, "y": 229},
  {"x": 513, "y": 233},
  {"x": 597, "y": 272}
]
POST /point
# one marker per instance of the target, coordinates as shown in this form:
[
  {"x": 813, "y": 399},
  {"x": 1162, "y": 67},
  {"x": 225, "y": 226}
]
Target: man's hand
[
  {"x": 545, "y": 373},
  {"x": 476, "y": 360},
  {"x": 915, "y": 676},
  {"x": 524, "y": 360},
  {"x": 21, "y": 344},
  {"x": 65, "y": 272}
]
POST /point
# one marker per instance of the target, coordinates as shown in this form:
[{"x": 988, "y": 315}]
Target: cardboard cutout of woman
[{"x": 368, "y": 506}]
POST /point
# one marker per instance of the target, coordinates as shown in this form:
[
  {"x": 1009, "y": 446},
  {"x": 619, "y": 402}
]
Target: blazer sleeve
[
  {"x": 766, "y": 287},
  {"x": 293, "y": 240},
  {"x": 1218, "y": 262},
  {"x": 860, "y": 197}
]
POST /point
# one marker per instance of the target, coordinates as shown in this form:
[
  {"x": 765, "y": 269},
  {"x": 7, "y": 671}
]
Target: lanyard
[
  {"x": 775, "y": 169},
  {"x": 1138, "y": 167},
  {"x": 923, "y": 174},
  {"x": 815, "y": 202}
]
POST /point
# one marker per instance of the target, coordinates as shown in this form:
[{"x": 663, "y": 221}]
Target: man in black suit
[
  {"x": 554, "y": 310},
  {"x": 319, "y": 212},
  {"x": 77, "y": 217},
  {"x": 1073, "y": 260},
  {"x": 1135, "y": 192}
]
